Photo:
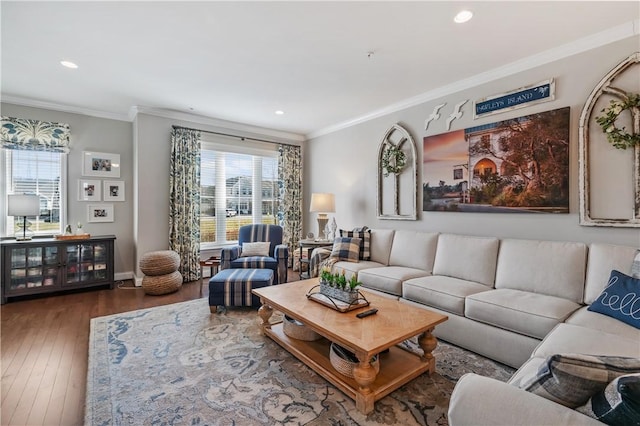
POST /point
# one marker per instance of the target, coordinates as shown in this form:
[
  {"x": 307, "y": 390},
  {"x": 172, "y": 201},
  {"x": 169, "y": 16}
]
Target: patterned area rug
[{"x": 178, "y": 364}]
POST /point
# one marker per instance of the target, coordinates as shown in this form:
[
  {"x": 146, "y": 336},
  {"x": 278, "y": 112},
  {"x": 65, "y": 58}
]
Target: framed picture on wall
[
  {"x": 100, "y": 213},
  {"x": 89, "y": 190},
  {"x": 100, "y": 164},
  {"x": 113, "y": 190}
]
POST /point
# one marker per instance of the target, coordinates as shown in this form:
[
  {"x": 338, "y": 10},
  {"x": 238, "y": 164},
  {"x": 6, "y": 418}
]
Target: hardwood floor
[{"x": 45, "y": 344}]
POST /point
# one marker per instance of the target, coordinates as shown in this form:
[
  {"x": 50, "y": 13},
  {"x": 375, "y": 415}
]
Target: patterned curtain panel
[
  {"x": 35, "y": 135},
  {"x": 184, "y": 201},
  {"x": 290, "y": 208}
]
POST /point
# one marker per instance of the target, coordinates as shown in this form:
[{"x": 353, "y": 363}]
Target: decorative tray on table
[{"x": 333, "y": 303}]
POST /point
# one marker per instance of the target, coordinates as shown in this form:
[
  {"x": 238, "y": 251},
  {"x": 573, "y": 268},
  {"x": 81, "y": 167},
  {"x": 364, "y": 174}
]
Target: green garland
[
  {"x": 618, "y": 137},
  {"x": 393, "y": 160}
]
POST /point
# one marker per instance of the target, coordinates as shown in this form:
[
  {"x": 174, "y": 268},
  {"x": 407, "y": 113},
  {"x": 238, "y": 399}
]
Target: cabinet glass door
[
  {"x": 50, "y": 266},
  {"x": 18, "y": 269},
  {"x": 74, "y": 254}
]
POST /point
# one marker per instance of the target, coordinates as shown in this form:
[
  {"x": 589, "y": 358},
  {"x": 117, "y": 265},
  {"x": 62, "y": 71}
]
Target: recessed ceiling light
[
  {"x": 279, "y": 112},
  {"x": 68, "y": 64},
  {"x": 462, "y": 17}
]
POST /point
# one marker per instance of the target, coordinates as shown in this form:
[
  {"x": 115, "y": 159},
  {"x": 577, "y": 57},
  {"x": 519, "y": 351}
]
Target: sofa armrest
[
  {"x": 228, "y": 254},
  {"x": 281, "y": 253},
  {"x": 478, "y": 400}
]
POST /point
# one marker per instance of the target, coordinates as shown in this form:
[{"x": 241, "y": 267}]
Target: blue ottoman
[{"x": 232, "y": 287}]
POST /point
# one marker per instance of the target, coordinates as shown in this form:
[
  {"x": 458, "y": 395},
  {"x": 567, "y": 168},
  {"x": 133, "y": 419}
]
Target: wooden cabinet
[{"x": 49, "y": 265}]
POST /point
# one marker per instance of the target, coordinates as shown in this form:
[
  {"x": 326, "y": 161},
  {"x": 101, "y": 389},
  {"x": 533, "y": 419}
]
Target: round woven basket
[
  {"x": 345, "y": 366},
  {"x": 159, "y": 262},
  {"x": 297, "y": 330},
  {"x": 162, "y": 284}
]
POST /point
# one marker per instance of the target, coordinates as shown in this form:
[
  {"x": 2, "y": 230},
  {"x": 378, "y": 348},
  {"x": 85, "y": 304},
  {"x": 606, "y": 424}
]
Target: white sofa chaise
[{"x": 515, "y": 301}]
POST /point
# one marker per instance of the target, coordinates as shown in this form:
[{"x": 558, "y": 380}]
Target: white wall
[
  {"x": 102, "y": 135},
  {"x": 345, "y": 162}
]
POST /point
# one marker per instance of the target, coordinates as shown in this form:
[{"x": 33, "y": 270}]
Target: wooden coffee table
[{"x": 366, "y": 337}]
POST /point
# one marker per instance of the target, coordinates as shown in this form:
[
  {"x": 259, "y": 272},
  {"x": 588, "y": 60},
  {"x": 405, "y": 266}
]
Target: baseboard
[{"x": 123, "y": 276}]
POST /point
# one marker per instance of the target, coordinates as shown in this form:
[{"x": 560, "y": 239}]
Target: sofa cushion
[
  {"x": 389, "y": 279},
  {"x": 571, "y": 379},
  {"x": 345, "y": 248},
  {"x": 620, "y": 299},
  {"x": 381, "y": 240},
  {"x": 365, "y": 242},
  {"x": 578, "y": 339},
  {"x": 441, "y": 292},
  {"x": 618, "y": 403},
  {"x": 414, "y": 250},
  {"x": 597, "y": 321},
  {"x": 603, "y": 258},
  {"x": 350, "y": 268},
  {"x": 467, "y": 258},
  {"x": 545, "y": 267},
  {"x": 523, "y": 312}
]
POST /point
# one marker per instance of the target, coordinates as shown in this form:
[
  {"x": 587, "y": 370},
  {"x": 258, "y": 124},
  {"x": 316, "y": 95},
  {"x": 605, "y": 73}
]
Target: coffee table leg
[
  {"x": 265, "y": 312},
  {"x": 364, "y": 375},
  {"x": 428, "y": 343}
]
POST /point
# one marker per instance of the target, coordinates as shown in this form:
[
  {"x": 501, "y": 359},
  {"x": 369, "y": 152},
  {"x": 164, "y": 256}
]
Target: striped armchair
[{"x": 277, "y": 259}]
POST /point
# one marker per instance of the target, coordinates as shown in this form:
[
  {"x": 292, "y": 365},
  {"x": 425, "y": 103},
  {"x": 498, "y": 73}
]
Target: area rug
[{"x": 179, "y": 365}]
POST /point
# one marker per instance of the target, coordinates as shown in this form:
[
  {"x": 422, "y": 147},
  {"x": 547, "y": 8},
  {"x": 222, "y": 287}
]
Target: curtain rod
[{"x": 234, "y": 136}]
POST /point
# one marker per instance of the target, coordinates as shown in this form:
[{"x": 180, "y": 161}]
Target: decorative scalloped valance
[{"x": 34, "y": 135}]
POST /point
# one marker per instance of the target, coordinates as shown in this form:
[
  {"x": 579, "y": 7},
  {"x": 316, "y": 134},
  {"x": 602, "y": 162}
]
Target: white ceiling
[{"x": 241, "y": 61}]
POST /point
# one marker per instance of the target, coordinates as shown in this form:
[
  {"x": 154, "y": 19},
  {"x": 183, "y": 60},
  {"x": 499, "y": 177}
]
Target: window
[
  {"x": 238, "y": 186},
  {"x": 35, "y": 172}
]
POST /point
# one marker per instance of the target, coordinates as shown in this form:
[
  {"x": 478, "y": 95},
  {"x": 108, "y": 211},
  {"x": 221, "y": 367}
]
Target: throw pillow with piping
[
  {"x": 345, "y": 248},
  {"x": 620, "y": 299},
  {"x": 255, "y": 249},
  {"x": 365, "y": 241},
  {"x": 618, "y": 404}
]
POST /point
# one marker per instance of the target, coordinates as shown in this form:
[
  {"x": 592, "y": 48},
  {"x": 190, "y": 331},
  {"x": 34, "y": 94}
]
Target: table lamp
[
  {"x": 322, "y": 203},
  {"x": 23, "y": 205}
]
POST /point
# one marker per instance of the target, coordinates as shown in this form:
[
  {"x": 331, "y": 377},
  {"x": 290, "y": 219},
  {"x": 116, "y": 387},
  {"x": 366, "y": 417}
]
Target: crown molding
[
  {"x": 17, "y": 100},
  {"x": 220, "y": 125},
  {"x": 611, "y": 35}
]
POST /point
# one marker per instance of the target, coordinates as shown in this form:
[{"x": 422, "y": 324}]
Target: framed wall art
[
  {"x": 100, "y": 213},
  {"x": 89, "y": 190},
  {"x": 113, "y": 190},
  {"x": 519, "y": 165},
  {"x": 100, "y": 164}
]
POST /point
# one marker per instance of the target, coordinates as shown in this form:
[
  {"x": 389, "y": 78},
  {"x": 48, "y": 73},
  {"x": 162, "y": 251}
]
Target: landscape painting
[{"x": 520, "y": 165}]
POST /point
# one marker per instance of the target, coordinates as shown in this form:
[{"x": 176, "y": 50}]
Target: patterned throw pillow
[
  {"x": 618, "y": 404},
  {"x": 255, "y": 249},
  {"x": 571, "y": 379},
  {"x": 620, "y": 299},
  {"x": 345, "y": 248},
  {"x": 365, "y": 241}
]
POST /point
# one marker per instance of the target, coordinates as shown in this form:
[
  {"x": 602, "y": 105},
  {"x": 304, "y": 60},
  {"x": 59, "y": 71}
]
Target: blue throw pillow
[{"x": 620, "y": 299}]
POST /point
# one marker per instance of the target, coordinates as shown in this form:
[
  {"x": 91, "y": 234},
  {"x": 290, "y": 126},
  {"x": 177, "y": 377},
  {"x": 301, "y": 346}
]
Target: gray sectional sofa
[{"x": 513, "y": 300}]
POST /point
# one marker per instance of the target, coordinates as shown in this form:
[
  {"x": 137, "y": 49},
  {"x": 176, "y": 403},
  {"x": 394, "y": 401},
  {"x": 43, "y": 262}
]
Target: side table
[
  {"x": 213, "y": 263},
  {"x": 309, "y": 245}
]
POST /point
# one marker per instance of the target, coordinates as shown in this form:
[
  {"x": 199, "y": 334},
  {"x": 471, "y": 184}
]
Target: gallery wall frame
[
  {"x": 97, "y": 213},
  {"x": 100, "y": 164},
  {"x": 89, "y": 190},
  {"x": 114, "y": 190}
]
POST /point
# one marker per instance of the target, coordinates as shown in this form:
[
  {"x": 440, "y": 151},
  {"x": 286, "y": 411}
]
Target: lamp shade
[
  {"x": 323, "y": 202},
  {"x": 23, "y": 205}
]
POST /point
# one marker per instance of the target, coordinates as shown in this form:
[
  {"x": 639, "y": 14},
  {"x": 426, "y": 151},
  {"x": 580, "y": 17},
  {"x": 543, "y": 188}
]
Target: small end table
[
  {"x": 213, "y": 263},
  {"x": 309, "y": 245}
]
